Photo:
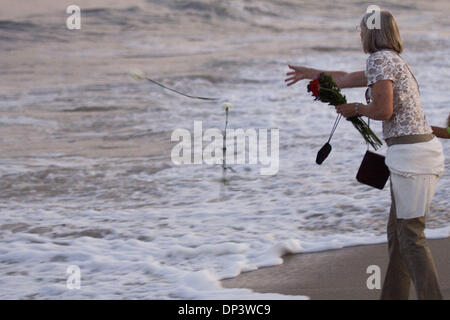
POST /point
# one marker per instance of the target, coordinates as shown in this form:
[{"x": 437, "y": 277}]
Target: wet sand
[{"x": 335, "y": 274}]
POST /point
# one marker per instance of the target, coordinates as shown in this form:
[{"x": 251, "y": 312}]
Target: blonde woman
[{"x": 414, "y": 156}]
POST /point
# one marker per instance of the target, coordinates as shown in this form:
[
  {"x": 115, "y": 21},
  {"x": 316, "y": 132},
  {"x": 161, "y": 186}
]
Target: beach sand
[{"x": 335, "y": 274}]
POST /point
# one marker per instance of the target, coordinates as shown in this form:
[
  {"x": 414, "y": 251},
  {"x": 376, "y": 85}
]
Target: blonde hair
[{"x": 387, "y": 37}]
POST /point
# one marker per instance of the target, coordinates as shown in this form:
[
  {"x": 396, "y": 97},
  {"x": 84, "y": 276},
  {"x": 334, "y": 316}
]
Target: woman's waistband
[{"x": 415, "y": 138}]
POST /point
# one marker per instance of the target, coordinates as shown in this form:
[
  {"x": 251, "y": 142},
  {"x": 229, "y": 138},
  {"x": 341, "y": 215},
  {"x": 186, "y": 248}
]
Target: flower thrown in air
[{"x": 137, "y": 74}]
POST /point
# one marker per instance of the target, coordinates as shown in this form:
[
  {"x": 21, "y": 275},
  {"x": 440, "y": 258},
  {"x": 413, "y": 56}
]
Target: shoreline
[{"x": 338, "y": 274}]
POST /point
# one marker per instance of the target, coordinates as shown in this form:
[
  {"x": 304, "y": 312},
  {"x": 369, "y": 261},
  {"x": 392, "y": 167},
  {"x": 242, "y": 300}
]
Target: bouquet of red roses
[{"x": 325, "y": 90}]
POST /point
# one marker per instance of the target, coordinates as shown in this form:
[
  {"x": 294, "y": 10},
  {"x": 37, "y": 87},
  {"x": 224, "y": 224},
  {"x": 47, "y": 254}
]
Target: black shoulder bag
[{"x": 373, "y": 171}]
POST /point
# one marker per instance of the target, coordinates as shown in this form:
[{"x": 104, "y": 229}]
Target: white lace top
[{"x": 408, "y": 117}]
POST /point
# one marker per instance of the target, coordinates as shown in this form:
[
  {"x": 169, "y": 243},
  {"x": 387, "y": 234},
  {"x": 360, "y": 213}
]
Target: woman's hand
[
  {"x": 348, "y": 110},
  {"x": 298, "y": 73},
  {"x": 341, "y": 78}
]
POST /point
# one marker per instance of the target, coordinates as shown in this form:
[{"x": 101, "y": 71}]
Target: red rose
[{"x": 314, "y": 87}]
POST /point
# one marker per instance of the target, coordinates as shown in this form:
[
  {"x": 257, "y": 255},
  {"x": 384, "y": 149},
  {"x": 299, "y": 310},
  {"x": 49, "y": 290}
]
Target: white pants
[{"x": 413, "y": 194}]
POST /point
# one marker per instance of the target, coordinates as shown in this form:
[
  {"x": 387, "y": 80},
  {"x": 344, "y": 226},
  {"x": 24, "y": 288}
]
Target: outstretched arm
[{"x": 341, "y": 78}]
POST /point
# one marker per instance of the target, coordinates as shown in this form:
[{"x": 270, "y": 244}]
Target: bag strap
[
  {"x": 368, "y": 124},
  {"x": 336, "y": 122},
  {"x": 409, "y": 69}
]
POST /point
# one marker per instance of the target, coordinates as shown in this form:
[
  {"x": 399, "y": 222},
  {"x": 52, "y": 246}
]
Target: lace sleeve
[{"x": 380, "y": 66}]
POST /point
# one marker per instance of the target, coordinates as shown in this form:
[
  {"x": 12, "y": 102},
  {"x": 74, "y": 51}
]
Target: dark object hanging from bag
[{"x": 325, "y": 151}]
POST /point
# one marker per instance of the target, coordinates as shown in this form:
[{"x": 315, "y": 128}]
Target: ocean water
[{"x": 86, "y": 176}]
